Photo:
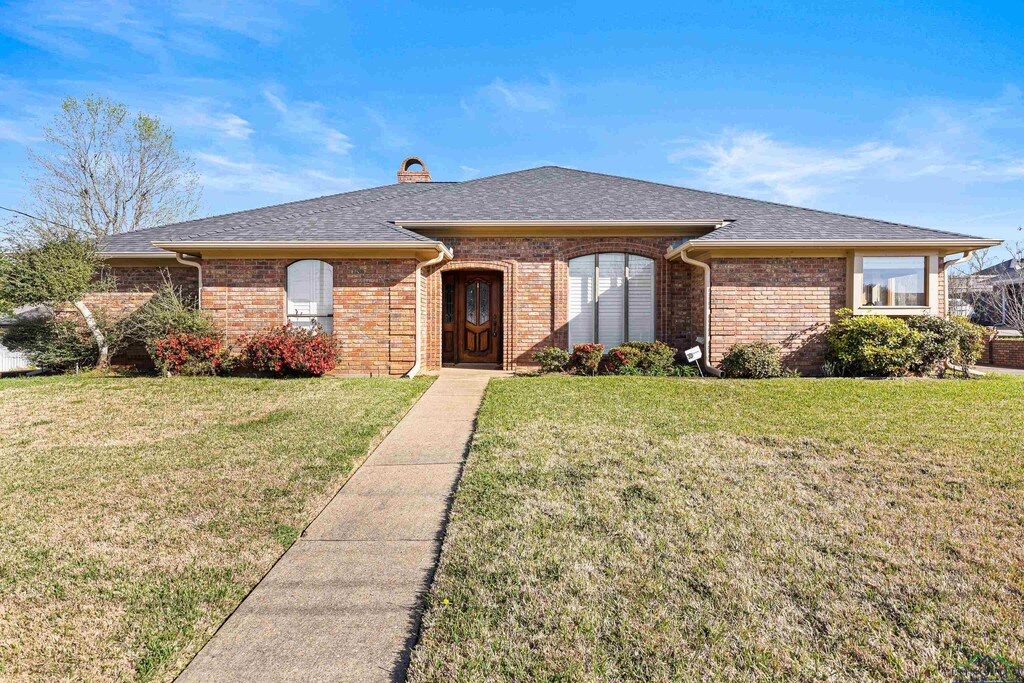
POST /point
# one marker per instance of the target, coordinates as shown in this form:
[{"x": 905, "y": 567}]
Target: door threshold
[{"x": 474, "y": 366}]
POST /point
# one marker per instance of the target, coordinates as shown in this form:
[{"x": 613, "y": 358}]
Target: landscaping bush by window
[
  {"x": 653, "y": 358},
  {"x": 551, "y": 359},
  {"x": 189, "y": 354},
  {"x": 289, "y": 350},
  {"x": 872, "y": 345},
  {"x": 970, "y": 341},
  {"x": 168, "y": 312},
  {"x": 621, "y": 360},
  {"x": 586, "y": 358},
  {"x": 758, "y": 360},
  {"x": 940, "y": 341}
]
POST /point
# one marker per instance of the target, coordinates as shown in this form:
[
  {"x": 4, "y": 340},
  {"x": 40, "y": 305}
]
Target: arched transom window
[
  {"x": 611, "y": 299},
  {"x": 311, "y": 294}
]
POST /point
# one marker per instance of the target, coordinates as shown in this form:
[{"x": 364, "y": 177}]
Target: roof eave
[{"x": 959, "y": 243}]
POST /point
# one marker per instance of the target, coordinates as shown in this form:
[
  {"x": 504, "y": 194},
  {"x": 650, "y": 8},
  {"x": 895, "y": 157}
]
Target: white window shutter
[
  {"x": 581, "y": 300},
  {"x": 611, "y": 299},
  {"x": 311, "y": 294},
  {"x": 641, "y": 298}
]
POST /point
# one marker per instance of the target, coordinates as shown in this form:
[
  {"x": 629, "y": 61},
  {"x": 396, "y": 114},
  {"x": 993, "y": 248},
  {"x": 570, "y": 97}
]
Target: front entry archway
[{"x": 471, "y": 312}]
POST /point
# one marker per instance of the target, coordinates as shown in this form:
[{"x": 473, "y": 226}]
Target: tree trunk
[{"x": 101, "y": 341}]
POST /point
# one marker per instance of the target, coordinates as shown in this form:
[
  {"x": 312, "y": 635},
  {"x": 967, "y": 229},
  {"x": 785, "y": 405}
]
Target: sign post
[{"x": 693, "y": 355}]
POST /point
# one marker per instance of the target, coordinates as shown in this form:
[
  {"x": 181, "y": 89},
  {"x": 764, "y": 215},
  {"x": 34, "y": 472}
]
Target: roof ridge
[{"x": 758, "y": 201}]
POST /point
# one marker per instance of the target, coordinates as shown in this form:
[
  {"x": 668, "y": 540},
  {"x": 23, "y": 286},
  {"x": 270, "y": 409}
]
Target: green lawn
[
  {"x": 792, "y": 530},
  {"x": 136, "y": 513}
]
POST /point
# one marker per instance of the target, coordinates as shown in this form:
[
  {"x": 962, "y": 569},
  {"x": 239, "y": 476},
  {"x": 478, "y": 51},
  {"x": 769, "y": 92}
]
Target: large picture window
[
  {"x": 311, "y": 294},
  {"x": 894, "y": 281},
  {"x": 611, "y": 299}
]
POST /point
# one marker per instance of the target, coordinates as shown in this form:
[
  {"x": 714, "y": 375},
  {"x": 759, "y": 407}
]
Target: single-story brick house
[{"x": 417, "y": 274}]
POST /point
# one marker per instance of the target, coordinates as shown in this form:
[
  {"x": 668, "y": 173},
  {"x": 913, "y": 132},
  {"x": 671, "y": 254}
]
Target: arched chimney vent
[{"x": 409, "y": 173}]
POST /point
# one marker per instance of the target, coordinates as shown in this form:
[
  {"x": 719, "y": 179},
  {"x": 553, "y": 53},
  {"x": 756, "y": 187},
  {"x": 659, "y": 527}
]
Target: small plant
[
  {"x": 586, "y": 358},
  {"x": 758, "y": 360},
  {"x": 189, "y": 354},
  {"x": 653, "y": 358},
  {"x": 872, "y": 345},
  {"x": 685, "y": 370},
  {"x": 551, "y": 359},
  {"x": 289, "y": 350}
]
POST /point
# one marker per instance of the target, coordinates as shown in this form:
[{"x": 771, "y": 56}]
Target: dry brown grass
[
  {"x": 136, "y": 513},
  {"x": 794, "y": 530}
]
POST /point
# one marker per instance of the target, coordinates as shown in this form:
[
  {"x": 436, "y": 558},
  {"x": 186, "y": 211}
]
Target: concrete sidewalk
[{"x": 343, "y": 604}]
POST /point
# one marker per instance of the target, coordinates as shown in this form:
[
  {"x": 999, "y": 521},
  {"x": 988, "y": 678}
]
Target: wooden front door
[{"x": 471, "y": 317}]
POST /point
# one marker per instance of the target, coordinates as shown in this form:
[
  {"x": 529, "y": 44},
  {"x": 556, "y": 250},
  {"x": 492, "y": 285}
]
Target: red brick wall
[
  {"x": 134, "y": 285},
  {"x": 1005, "y": 352},
  {"x": 244, "y": 296},
  {"x": 535, "y": 272},
  {"x": 375, "y": 316},
  {"x": 786, "y": 301},
  {"x": 374, "y": 307}
]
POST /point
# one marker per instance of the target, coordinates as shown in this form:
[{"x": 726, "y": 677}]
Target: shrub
[
  {"x": 622, "y": 360},
  {"x": 168, "y": 312},
  {"x": 758, "y": 360},
  {"x": 586, "y": 358},
  {"x": 686, "y": 370},
  {"x": 653, "y": 358},
  {"x": 551, "y": 359},
  {"x": 189, "y": 354},
  {"x": 970, "y": 341},
  {"x": 872, "y": 345},
  {"x": 940, "y": 341},
  {"x": 58, "y": 343},
  {"x": 289, "y": 350}
]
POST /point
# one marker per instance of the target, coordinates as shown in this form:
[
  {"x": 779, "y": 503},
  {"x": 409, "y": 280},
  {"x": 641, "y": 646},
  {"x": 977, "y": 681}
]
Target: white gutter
[
  {"x": 443, "y": 253},
  {"x": 966, "y": 243},
  {"x": 946, "y": 265},
  {"x": 681, "y": 253},
  {"x": 198, "y": 265}
]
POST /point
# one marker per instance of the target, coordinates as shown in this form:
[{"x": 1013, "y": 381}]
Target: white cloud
[
  {"x": 523, "y": 96},
  {"x": 18, "y": 132},
  {"x": 197, "y": 114},
  {"x": 307, "y": 119},
  {"x": 222, "y": 173},
  {"x": 965, "y": 144},
  {"x": 469, "y": 172},
  {"x": 751, "y": 162}
]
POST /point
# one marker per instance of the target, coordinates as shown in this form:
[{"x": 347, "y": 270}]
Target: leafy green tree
[{"x": 55, "y": 273}]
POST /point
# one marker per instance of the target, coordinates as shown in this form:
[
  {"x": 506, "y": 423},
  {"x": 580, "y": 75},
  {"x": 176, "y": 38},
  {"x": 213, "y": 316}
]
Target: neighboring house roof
[
  {"x": 1007, "y": 267},
  {"x": 548, "y": 193}
]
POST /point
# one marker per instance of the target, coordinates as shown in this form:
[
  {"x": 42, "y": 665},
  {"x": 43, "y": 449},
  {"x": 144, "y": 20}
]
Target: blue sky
[{"x": 910, "y": 111}]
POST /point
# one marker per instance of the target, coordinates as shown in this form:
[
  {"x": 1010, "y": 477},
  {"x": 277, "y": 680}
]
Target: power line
[{"x": 37, "y": 218}]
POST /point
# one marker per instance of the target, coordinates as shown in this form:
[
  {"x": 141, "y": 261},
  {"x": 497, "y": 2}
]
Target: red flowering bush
[
  {"x": 182, "y": 353},
  {"x": 622, "y": 360},
  {"x": 586, "y": 358},
  {"x": 289, "y": 350}
]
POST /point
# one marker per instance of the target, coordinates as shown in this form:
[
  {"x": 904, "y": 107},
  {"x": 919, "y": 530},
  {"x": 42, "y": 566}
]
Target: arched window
[
  {"x": 611, "y": 299},
  {"x": 311, "y": 294}
]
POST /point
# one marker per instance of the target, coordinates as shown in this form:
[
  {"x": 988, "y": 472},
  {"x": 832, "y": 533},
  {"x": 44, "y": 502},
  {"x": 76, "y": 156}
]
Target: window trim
[
  {"x": 288, "y": 316},
  {"x": 625, "y": 293},
  {"x": 931, "y": 285}
]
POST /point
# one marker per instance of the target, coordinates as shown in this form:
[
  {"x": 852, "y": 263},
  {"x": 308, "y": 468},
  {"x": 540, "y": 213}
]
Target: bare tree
[
  {"x": 1008, "y": 289},
  {"x": 108, "y": 171}
]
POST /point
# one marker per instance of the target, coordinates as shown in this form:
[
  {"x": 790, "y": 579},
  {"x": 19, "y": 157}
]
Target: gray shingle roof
[{"x": 545, "y": 193}]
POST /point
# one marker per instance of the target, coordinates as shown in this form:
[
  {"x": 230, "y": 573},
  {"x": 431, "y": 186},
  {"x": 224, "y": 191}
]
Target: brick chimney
[{"x": 408, "y": 173}]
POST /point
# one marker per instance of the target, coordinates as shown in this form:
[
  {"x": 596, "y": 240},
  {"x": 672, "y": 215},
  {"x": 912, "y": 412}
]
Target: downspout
[
  {"x": 707, "y": 309},
  {"x": 946, "y": 265},
  {"x": 198, "y": 265},
  {"x": 443, "y": 253}
]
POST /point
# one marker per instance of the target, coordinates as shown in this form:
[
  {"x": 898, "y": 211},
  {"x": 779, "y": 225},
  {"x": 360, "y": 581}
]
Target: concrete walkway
[{"x": 343, "y": 604}]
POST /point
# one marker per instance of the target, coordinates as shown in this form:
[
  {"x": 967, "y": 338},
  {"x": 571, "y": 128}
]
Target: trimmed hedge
[{"x": 757, "y": 360}]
